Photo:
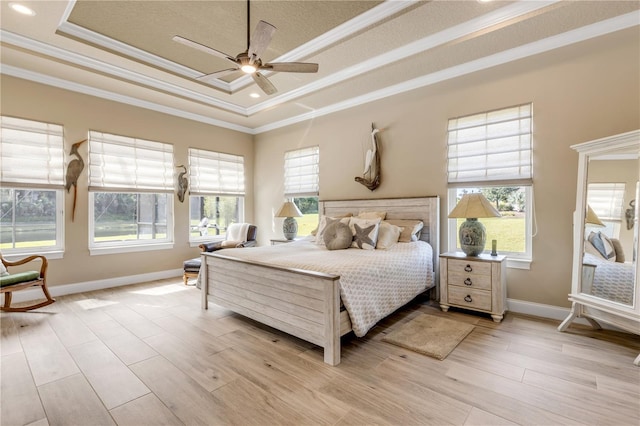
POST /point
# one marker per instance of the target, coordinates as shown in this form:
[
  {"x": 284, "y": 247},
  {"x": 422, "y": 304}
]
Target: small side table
[
  {"x": 276, "y": 241},
  {"x": 478, "y": 283}
]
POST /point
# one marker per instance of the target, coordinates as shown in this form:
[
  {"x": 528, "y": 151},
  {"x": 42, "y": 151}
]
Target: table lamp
[
  {"x": 592, "y": 218},
  {"x": 472, "y": 233},
  {"x": 289, "y": 227}
]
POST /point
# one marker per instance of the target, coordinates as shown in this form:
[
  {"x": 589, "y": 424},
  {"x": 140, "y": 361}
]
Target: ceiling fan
[{"x": 249, "y": 61}]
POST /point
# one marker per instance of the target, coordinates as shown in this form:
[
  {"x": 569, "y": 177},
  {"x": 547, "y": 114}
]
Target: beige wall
[
  {"x": 578, "y": 94},
  {"x": 79, "y": 113}
]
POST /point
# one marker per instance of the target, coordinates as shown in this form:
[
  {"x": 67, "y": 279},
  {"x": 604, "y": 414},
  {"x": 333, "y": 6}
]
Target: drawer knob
[
  {"x": 468, "y": 268},
  {"x": 468, "y": 298},
  {"x": 468, "y": 281}
]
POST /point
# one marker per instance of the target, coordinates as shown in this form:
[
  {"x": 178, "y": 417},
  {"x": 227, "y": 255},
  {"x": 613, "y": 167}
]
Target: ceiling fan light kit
[{"x": 250, "y": 61}]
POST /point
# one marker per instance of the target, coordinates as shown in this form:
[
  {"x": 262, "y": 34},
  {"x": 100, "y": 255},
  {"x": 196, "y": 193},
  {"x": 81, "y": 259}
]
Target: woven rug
[{"x": 430, "y": 335}]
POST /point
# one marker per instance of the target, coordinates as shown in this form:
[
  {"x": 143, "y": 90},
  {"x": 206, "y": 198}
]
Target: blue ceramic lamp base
[
  {"x": 473, "y": 237},
  {"x": 290, "y": 228}
]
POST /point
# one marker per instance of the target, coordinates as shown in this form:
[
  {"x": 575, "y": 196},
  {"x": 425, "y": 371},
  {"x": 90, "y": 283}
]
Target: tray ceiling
[{"x": 366, "y": 50}]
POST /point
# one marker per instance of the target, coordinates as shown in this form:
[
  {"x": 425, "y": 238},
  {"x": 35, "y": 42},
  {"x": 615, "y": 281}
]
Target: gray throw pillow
[{"x": 337, "y": 236}]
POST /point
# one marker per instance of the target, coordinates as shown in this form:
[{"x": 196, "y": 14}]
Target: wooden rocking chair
[{"x": 23, "y": 280}]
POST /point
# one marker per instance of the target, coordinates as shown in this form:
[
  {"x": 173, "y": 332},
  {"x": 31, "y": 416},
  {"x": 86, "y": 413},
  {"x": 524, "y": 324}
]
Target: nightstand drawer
[
  {"x": 469, "y": 280},
  {"x": 469, "y": 298},
  {"x": 468, "y": 267}
]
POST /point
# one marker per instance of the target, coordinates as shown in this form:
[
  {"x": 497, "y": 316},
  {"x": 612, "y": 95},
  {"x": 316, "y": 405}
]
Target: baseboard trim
[
  {"x": 515, "y": 305},
  {"x": 543, "y": 311},
  {"x": 63, "y": 290}
]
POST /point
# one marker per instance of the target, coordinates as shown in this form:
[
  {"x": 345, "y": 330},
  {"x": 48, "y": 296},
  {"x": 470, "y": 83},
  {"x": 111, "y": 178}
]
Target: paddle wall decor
[{"x": 371, "y": 174}]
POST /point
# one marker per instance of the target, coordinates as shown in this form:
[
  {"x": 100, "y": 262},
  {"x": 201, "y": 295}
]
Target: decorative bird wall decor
[
  {"x": 74, "y": 169},
  {"x": 183, "y": 183},
  {"x": 371, "y": 174}
]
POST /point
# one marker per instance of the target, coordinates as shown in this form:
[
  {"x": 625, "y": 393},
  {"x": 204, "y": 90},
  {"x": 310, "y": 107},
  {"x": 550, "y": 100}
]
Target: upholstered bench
[{"x": 192, "y": 266}]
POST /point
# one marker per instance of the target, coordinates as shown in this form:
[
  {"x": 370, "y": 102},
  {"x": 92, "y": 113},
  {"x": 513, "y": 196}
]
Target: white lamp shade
[
  {"x": 592, "y": 218},
  {"x": 289, "y": 209},
  {"x": 473, "y": 206}
]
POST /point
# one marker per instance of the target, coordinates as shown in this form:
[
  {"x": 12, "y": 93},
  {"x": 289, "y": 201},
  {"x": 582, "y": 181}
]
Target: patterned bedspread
[
  {"x": 612, "y": 280},
  {"x": 374, "y": 283}
]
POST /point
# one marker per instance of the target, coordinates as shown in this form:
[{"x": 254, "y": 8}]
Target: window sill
[
  {"x": 50, "y": 255},
  {"x": 98, "y": 251},
  {"x": 518, "y": 263}
]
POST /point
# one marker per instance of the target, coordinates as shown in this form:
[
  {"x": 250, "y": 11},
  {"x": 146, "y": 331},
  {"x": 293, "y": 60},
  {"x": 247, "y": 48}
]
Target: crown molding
[
  {"x": 115, "y": 71},
  {"x": 105, "y": 94},
  {"x": 555, "y": 42},
  {"x": 465, "y": 29}
]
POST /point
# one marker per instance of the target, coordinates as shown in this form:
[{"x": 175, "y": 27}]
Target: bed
[
  {"x": 306, "y": 299},
  {"x": 612, "y": 281}
]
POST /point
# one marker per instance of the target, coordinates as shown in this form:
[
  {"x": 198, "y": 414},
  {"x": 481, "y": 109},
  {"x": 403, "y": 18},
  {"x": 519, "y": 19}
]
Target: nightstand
[
  {"x": 478, "y": 283},
  {"x": 276, "y": 241}
]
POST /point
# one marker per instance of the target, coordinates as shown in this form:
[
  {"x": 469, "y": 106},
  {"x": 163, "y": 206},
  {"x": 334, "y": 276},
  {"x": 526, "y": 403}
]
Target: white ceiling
[{"x": 367, "y": 50}]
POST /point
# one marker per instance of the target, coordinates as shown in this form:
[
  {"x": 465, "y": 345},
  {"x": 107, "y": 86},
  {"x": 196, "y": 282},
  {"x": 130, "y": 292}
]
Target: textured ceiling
[{"x": 366, "y": 50}]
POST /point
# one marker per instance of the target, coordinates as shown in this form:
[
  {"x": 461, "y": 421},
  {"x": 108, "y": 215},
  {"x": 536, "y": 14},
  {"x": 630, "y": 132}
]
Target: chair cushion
[
  {"x": 20, "y": 277},
  {"x": 192, "y": 265}
]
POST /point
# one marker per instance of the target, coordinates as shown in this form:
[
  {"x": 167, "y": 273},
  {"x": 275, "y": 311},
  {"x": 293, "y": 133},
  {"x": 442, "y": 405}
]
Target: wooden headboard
[{"x": 426, "y": 209}]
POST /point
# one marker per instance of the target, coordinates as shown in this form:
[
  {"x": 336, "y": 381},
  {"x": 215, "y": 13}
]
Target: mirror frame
[{"x": 612, "y": 144}]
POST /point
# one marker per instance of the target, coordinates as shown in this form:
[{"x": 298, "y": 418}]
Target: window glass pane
[
  {"x": 210, "y": 215},
  {"x": 122, "y": 216},
  {"x": 309, "y": 221},
  {"x": 510, "y": 230},
  {"x": 29, "y": 218}
]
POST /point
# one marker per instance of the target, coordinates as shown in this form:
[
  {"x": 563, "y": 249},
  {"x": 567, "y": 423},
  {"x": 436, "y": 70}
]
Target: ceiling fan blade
[
  {"x": 203, "y": 48},
  {"x": 217, "y": 74},
  {"x": 260, "y": 40},
  {"x": 291, "y": 67},
  {"x": 262, "y": 81}
]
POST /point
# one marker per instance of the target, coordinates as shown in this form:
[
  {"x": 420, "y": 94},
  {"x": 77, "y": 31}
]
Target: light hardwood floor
[{"x": 148, "y": 355}]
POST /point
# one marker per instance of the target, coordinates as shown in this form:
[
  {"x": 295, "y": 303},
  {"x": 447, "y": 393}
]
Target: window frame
[
  {"x": 195, "y": 241},
  {"x": 50, "y": 252},
  {"x": 514, "y": 259},
  {"x": 138, "y": 169},
  {"x": 494, "y": 174},
  {"x": 53, "y": 180},
  {"x": 614, "y": 194},
  {"x": 202, "y": 161}
]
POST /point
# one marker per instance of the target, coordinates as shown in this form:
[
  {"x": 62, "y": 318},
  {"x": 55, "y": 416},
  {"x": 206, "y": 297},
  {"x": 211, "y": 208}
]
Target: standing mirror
[{"x": 606, "y": 235}]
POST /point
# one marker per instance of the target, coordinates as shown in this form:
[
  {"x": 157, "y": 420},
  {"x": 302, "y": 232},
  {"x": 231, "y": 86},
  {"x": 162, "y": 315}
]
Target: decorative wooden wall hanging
[
  {"x": 74, "y": 169},
  {"x": 183, "y": 183},
  {"x": 371, "y": 175}
]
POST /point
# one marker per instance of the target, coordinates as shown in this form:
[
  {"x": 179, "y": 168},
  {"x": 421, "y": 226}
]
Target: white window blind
[
  {"x": 125, "y": 164},
  {"x": 301, "y": 172},
  {"x": 31, "y": 153},
  {"x": 606, "y": 200},
  {"x": 491, "y": 147},
  {"x": 215, "y": 173}
]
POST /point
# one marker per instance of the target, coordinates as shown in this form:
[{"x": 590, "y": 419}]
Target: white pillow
[
  {"x": 388, "y": 235},
  {"x": 3, "y": 270},
  {"x": 365, "y": 232},
  {"x": 324, "y": 222}
]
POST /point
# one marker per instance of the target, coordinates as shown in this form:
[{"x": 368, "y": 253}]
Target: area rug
[{"x": 430, "y": 335}]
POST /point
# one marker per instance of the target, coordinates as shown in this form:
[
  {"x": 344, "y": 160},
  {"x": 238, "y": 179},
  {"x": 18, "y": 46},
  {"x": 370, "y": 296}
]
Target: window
[
  {"x": 130, "y": 194},
  {"x": 301, "y": 184},
  {"x": 491, "y": 152},
  {"x": 217, "y": 193},
  {"x": 31, "y": 197},
  {"x": 606, "y": 200}
]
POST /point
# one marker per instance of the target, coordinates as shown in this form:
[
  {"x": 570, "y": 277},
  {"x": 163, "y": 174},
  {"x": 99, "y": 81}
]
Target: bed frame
[{"x": 305, "y": 303}]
